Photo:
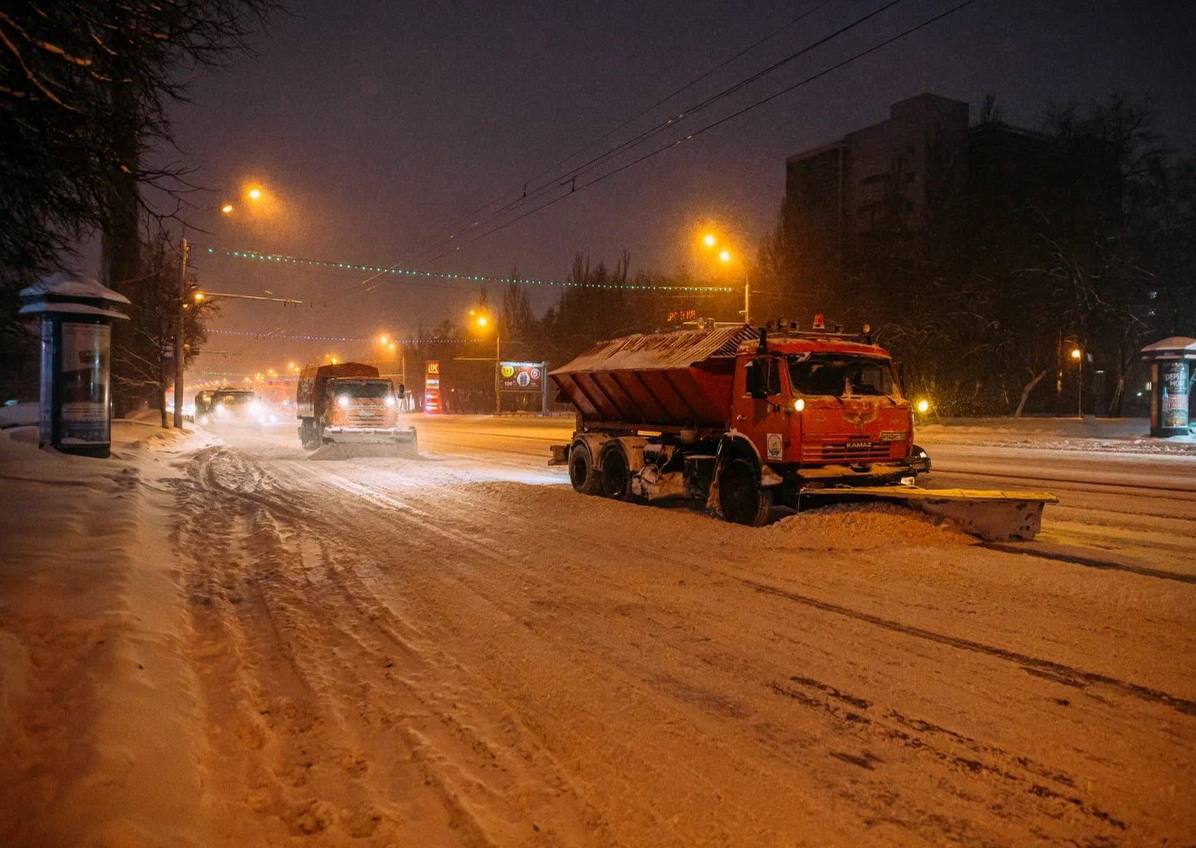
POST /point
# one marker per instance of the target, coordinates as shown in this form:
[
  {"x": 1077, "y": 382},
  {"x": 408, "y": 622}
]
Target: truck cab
[
  {"x": 349, "y": 403},
  {"x": 823, "y": 409}
]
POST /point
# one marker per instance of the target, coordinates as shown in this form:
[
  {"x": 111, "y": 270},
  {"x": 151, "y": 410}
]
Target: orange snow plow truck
[
  {"x": 349, "y": 403},
  {"x": 745, "y": 419}
]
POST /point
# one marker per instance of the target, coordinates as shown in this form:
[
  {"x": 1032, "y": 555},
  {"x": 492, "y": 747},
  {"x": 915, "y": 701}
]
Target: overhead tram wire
[
  {"x": 519, "y": 197},
  {"x": 712, "y": 125},
  {"x": 569, "y": 177}
]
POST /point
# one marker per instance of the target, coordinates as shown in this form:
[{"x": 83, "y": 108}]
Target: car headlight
[
  {"x": 390, "y": 400},
  {"x": 255, "y": 408}
]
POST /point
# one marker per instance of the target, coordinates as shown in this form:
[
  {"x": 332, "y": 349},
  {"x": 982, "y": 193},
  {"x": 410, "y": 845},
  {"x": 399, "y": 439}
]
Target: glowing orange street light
[
  {"x": 1077, "y": 358},
  {"x": 482, "y": 321},
  {"x": 254, "y": 193},
  {"x": 198, "y": 297},
  {"x": 227, "y": 209},
  {"x": 383, "y": 340},
  {"x": 724, "y": 256},
  {"x": 709, "y": 240}
]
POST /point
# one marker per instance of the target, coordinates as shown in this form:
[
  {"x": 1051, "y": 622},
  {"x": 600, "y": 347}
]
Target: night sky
[{"x": 376, "y": 125}]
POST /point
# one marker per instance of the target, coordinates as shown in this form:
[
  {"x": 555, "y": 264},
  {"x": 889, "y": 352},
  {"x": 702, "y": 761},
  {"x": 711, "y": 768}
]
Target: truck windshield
[
  {"x": 364, "y": 388},
  {"x": 837, "y": 376}
]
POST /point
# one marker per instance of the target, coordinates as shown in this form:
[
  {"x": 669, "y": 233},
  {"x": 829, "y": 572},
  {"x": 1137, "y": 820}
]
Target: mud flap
[{"x": 995, "y": 516}]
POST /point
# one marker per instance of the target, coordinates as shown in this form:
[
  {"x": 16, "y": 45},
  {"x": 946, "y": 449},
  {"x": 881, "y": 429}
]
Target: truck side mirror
[
  {"x": 758, "y": 373},
  {"x": 401, "y": 391}
]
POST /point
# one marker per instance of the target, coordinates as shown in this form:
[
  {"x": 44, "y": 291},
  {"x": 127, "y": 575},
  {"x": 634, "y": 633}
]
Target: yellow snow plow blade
[{"x": 993, "y": 515}]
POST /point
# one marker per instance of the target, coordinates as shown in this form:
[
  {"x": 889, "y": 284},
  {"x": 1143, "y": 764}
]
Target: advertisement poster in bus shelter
[
  {"x": 83, "y": 383},
  {"x": 520, "y": 376},
  {"x": 1174, "y": 384}
]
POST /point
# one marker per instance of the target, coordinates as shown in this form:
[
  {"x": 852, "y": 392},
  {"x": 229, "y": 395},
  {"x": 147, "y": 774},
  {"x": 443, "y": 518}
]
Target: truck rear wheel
[
  {"x": 741, "y": 497},
  {"x": 583, "y": 474},
  {"x": 616, "y": 474}
]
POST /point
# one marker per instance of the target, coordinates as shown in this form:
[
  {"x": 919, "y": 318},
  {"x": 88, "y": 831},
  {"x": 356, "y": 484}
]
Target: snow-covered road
[{"x": 460, "y": 650}]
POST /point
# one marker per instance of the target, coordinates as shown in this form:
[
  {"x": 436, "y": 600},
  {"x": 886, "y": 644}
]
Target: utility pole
[
  {"x": 747, "y": 300},
  {"x": 1080, "y": 387},
  {"x": 497, "y": 369},
  {"x": 184, "y": 252}
]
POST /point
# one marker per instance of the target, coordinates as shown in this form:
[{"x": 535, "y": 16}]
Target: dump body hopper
[{"x": 656, "y": 380}]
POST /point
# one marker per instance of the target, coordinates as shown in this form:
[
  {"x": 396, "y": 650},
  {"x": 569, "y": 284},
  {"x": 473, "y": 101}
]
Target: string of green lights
[
  {"x": 282, "y": 259},
  {"x": 309, "y": 338}
]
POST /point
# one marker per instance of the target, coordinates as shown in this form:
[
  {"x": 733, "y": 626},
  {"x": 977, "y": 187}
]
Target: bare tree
[
  {"x": 142, "y": 357},
  {"x": 84, "y": 93}
]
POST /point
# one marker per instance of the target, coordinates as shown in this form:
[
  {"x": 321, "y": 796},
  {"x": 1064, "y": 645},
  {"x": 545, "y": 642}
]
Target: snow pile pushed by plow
[
  {"x": 990, "y": 514},
  {"x": 339, "y": 451},
  {"x": 861, "y": 527}
]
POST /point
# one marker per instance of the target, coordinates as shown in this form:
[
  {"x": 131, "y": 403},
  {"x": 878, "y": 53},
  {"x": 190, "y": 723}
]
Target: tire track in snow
[{"x": 1053, "y": 670}]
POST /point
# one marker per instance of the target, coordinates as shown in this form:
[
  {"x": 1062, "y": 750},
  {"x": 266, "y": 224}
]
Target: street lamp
[
  {"x": 725, "y": 257},
  {"x": 482, "y": 321},
  {"x": 255, "y": 194}
]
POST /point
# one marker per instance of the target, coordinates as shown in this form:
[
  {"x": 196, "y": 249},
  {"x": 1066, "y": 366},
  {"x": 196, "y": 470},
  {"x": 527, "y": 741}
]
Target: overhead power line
[
  {"x": 520, "y": 195},
  {"x": 713, "y": 124},
  {"x": 569, "y": 178}
]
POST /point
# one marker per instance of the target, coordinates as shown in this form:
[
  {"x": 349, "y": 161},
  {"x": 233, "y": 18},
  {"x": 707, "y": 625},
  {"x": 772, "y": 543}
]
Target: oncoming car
[{"x": 233, "y": 406}]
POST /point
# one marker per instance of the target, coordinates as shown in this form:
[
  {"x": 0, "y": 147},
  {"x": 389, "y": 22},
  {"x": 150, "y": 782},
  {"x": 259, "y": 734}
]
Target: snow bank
[
  {"x": 1106, "y": 435},
  {"x": 94, "y": 707},
  {"x": 861, "y": 527},
  {"x": 19, "y": 415}
]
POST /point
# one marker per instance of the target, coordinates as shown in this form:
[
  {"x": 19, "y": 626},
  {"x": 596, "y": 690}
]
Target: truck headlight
[
  {"x": 342, "y": 401},
  {"x": 390, "y": 400}
]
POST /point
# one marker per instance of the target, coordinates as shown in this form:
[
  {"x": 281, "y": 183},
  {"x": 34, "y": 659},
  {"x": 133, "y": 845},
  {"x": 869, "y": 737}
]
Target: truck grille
[
  {"x": 365, "y": 412},
  {"x": 846, "y": 449}
]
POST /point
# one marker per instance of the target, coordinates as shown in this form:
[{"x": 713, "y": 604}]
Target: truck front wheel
[
  {"x": 307, "y": 434},
  {"x": 583, "y": 474},
  {"x": 741, "y": 497}
]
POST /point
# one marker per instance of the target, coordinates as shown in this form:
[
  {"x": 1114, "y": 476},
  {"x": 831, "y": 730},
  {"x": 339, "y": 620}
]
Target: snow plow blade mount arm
[{"x": 993, "y": 515}]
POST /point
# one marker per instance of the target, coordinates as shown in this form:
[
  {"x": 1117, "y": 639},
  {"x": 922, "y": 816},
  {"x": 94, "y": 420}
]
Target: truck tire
[
  {"x": 307, "y": 434},
  {"x": 616, "y": 474},
  {"x": 741, "y": 497},
  {"x": 583, "y": 474}
]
